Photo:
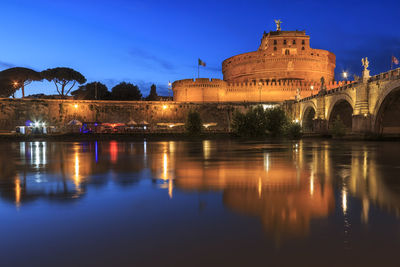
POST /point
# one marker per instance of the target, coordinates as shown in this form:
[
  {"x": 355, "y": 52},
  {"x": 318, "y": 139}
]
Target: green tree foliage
[
  {"x": 338, "y": 128},
  {"x": 252, "y": 123},
  {"x": 62, "y": 78},
  {"x": 258, "y": 122},
  {"x": 153, "y": 96},
  {"x": 193, "y": 123},
  {"x": 292, "y": 130},
  {"x": 19, "y": 78},
  {"x": 92, "y": 91},
  {"x": 126, "y": 91},
  {"x": 276, "y": 121}
]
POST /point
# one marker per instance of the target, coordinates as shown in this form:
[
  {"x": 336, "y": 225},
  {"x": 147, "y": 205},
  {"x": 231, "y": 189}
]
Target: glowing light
[
  {"x": 312, "y": 184},
  {"x": 113, "y": 151},
  {"x": 206, "y": 149},
  {"x": 266, "y": 162},
  {"x": 17, "y": 192},
  {"x": 76, "y": 106},
  {"x": 344, "y": 200},
  {"x": 312, "y": 87},
  {"x": 170, "y": 188},
  {"x": 165, "y": 166},
  {"x": 344, "y": 74},
  {"x": 165, "y": 107},
  {"x": 76, "y": 174},
  {"x": 37, "y": 124},
  {"x": 15, "y": 84},
  {"x": 259, "y": 187}
]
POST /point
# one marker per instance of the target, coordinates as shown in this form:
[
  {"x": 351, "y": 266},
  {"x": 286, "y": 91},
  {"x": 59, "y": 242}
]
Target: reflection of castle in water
[{"x": 285, "y": 186}]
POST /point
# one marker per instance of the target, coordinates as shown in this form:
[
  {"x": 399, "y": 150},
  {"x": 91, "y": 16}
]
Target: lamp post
[{"x": 345, "y": 75}]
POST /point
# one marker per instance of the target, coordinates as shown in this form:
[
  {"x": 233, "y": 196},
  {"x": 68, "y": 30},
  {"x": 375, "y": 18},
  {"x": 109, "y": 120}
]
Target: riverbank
[{"x": 71, "y": 137}]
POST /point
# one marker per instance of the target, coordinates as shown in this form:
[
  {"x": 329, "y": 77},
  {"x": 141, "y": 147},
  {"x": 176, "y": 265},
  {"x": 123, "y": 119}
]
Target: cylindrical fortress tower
[
  {"x": 282, "y": 55},
  {"x": 283, "y": 68}
]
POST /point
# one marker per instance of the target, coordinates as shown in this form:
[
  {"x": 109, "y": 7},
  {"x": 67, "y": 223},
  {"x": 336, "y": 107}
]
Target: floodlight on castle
[{"x": 283, "y": 67}]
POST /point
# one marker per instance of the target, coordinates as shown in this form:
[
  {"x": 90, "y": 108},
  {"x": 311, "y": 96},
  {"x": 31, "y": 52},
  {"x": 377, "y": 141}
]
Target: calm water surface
[{"x": 204, "y": 203}]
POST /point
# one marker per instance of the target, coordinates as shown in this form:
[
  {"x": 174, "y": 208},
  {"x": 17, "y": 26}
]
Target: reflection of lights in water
[
  {"x": 22, "y": 149},
  {"x": 113, "y": 151},
  {"x": 266, "y": 161},
  {"x": 206, "y": 149},
  {"x": 344, "y": 200},
  {"x": 365, "y": 211},
  {"x": 96, "y": 151},
  {"x": 365, "y": 164},
  {"x": 170, "y": 188},
  {"x": 44, "y": 162},
  {"x": 17, "y": 192},
  {"x": 172, "y": 146},
  {"x": 259, "y": 187},
  {"x": 165, "y": 166},
  {"x": 312, "y": 183},
  {"x": 76, "y": 174},
  {"x": 37, "y": 154},
  {"x": 145, "y": 148}
]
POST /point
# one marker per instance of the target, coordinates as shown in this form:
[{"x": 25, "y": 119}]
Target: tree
[
  {"x": 126, "y": 91},
  {"x": 153, "y": 96},
  {"x": 20, "y": 77},
  {"x": 276, "y": 120},
  {"x": 7, "y": 88},
  {"x": 62, "y": 77},
  {"x": 252, "y": 123},
  {"x": 193, "y": 123},
  {"x": 92, "y": 91}
]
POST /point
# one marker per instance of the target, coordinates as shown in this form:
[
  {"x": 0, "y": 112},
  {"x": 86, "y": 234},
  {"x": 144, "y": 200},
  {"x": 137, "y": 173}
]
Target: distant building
[{"x": 283, "y": 66}]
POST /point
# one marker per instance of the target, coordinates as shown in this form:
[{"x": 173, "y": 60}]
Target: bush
[
  {"x": 251, "y": 124},
  {"x": 193, "y": 124},
  {"x": 338, "y": 128},
  {"x": 293, "y": 130}
]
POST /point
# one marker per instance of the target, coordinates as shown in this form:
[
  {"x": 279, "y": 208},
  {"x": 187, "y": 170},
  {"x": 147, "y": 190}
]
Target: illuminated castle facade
[{"x": 283, "y": 67}]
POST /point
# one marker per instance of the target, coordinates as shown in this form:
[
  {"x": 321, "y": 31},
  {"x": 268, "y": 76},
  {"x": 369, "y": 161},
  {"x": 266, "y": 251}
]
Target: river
[{"x": 200, "y": 203}]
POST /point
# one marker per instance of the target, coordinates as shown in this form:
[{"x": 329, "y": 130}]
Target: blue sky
[{"x": 152, "y": 41}]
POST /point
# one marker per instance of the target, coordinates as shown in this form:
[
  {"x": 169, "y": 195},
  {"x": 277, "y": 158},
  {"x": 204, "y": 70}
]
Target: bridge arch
[
  {"x": 387, "y": 111},
  {"x": 308, "y": 116},
  {"x": 342, "y": 108}
]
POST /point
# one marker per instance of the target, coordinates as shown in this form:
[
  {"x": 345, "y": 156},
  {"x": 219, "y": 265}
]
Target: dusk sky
[{"x": 151, "y": 41}]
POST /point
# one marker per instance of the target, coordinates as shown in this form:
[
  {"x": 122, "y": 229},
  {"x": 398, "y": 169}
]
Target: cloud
[
  {"x": 6, "y": 65},
  {"x": 147, "y": 56}
]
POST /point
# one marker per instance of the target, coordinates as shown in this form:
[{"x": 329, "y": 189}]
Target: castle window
[
  {"x": 284, "y": 42},
  {"x": 275, "y": 42},
  {"x": 303, "y": 42},
  {"x": 302, "y": 48},
  {"x": 274, "y": 48},
  {"x": 287, "y": 52},
  {"x": 294, "y": 41}
]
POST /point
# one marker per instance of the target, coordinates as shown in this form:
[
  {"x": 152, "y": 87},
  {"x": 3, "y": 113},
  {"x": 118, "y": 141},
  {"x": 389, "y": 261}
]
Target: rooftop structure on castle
[{"x": 283, "y": 67}]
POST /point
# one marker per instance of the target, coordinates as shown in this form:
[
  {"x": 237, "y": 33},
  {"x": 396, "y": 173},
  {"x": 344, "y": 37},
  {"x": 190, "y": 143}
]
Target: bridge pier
[
  {"x": 320, "y": 126},
  {"x": 362, "y": 124}
]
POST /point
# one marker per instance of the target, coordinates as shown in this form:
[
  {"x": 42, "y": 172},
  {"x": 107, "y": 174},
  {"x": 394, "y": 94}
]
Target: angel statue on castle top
[{"x": 278, "y": 24}]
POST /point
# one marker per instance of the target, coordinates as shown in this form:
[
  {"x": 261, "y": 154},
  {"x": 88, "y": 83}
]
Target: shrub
[
  {"x": 293, "y": 130},
  {"x": 253, "y": 123},
  {"x": 193, "y": 124}
]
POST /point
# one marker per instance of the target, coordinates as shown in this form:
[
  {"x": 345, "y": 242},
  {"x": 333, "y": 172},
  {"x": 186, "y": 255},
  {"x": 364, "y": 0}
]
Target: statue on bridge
[
  {"x": 365, "y": 62},
  {"x": 322, "y": 90},
  {"x": 365, "y": 72},
  {"x": 278, "y": 25}
]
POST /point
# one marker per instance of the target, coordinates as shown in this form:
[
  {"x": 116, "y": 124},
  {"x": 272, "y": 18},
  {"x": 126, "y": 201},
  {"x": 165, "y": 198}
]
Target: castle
[{"x": 284, "y": 67}]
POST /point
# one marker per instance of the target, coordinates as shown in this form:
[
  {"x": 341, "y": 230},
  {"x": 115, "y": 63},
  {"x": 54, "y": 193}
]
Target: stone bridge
[{"x": 368, "y": 105}]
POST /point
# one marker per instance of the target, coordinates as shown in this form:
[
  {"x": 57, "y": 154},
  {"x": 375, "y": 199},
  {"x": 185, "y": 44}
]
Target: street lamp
[{"x": 345, "y": 74}]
